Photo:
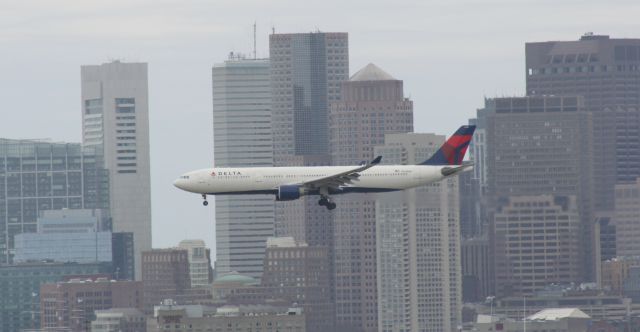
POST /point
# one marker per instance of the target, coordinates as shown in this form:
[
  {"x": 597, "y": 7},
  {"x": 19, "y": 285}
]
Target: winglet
[
  {"x": 376, "y": 161},
  {"x": 453, "y": 150}
]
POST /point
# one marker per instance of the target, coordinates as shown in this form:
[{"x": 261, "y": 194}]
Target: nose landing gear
[{"x": 205, "y": 203}]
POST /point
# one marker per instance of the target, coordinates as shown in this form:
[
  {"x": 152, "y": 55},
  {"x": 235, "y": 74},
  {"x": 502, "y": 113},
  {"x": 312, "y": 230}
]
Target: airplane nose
[{"x": 177, "y": 183}]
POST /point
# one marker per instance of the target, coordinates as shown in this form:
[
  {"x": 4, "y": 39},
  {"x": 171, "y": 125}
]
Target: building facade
[
  {"x": 172, "y": 318},
  {"x": 372, "y": 105},
  {"x": 307, "y": 70},
  {"x": 477, "y": 274},
  {"x": 119, "y": 320},
  {"x": 606, "y": 72},
  {"x": 535, "y": 243},
  {"x": 306, "y": 73},
  {"x": 20, "y": 289},
  {"x": 298, "y": 273},
  {"x": 66, "y": 236},
  {"x": 418, "y": 245},
  {"x": 123, "y": 256},
  {"x": 555, "y": 319},
  {"x": 627, "y": 218},
  {"x": 597, "y": 306},
  {"x": 615, "y": 272},
  {"x": 39, "y": 175},
  {"x": 73, "y": 303},
  {"x": 539, "y": 146},
  {"x": 199, "y": 263},
  {"x": 474, "y": 219},
  {"x": 242, "y": 136},
  {"x": 115, "y": 121},
  {"x": 165, "y": 275}
]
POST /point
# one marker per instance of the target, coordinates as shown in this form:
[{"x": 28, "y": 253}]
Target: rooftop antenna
[{"x": 254, "y": 41}]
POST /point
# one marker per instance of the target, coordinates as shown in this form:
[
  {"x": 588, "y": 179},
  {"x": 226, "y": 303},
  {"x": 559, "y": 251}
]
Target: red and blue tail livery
[{"x": 454, "y": 149}]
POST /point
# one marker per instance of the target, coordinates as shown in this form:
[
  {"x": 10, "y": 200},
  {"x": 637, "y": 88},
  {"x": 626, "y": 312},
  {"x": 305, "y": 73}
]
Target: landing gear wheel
[
  {"x": 323, "y": 201},
  {"x": 205, "y": 203},
  {"x": 331, "y": 206}
]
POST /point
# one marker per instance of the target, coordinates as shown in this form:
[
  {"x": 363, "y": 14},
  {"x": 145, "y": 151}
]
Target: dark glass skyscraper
[
  {"x": 40, "y": 175},
  {"x": 306, "y": 72}
]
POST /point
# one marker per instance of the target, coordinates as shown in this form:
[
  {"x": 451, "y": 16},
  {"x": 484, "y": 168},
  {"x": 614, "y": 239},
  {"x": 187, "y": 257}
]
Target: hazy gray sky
[{"x": 450, "y": 54}]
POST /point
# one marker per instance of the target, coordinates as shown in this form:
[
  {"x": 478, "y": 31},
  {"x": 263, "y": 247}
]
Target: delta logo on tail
[{"x": 453, "y": 150}]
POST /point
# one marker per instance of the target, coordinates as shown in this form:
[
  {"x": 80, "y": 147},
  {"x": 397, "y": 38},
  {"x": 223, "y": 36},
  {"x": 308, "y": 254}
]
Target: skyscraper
[
  {"x": 242, "y": 137},
  {"x": 306, "y": 74},
  {"x": 539, "y": 146},
  {"x": 115, "y": 120},
  {"x": 606, "y": 72},
  {"x": 39, "y": 175},
  {"x": 372, "y": 105},
  {"x": 418, "y": 245}
]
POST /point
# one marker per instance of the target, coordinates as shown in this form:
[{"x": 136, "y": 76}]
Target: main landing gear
[
  {"x": 205, "y": 203},
  {"x": 324, "y": 201}
]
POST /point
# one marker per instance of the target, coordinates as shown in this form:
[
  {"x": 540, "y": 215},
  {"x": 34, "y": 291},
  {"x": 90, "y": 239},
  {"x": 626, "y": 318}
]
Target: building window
[
  {"x": 125, "y": 105},
  {"x": 93, "y": 106}
]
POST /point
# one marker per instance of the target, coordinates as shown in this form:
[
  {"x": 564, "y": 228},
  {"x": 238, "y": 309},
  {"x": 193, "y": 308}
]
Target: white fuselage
[{"x": 237, "y": 180}]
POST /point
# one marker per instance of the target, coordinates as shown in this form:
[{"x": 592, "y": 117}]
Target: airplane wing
[{"x": 340, "y": 179}]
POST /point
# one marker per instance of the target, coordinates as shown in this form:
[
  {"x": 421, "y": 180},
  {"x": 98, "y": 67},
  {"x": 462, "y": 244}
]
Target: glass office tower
[{"x": 40, "y": 175}]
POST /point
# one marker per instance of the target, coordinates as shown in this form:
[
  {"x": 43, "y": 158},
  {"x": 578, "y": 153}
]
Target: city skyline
[
  {"x": 540, "y": 231},
  {"x": 179, "y": 70}
]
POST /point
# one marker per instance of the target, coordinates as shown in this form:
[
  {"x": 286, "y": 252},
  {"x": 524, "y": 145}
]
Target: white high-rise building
[
  {"x": 198, "y": 262},
  {"x": 242, "y": 137},
  {"x": 418, "y": 245},
  {"x": 115, "y": 119}
]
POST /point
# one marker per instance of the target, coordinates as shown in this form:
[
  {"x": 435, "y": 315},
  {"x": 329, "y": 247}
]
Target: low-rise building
[
  {"x": 631, "y": 285},
  {"x": 596, "y": 305},
  {"x": 119, "y": 320},
  {"x": 72, "y": 304},
  {"x": 556, "y": 319},
  {"x": 257, "y": 318},
  {"x": 165, "y": 274},
  {"x": 200, "y": 272},
  {"x": 20, "y": 289},
  {"x": 615, "y": 271},
  {"x": 228, "y": 285}
]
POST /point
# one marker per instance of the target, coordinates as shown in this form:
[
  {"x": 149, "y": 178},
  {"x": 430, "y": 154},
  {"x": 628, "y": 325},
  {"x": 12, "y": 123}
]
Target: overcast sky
[{"x": 450, "y": 54}]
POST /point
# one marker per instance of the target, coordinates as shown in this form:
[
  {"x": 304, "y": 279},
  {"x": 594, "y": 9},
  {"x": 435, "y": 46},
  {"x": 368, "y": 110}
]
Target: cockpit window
[{"x": 186, "y": 177}]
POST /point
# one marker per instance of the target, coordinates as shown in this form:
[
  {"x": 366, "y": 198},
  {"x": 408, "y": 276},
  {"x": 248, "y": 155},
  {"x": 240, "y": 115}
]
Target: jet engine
[{"x": 289, "y": 192}]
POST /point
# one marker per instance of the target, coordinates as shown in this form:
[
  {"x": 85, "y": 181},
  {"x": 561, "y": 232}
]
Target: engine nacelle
[{"x": 289, "y": 193}]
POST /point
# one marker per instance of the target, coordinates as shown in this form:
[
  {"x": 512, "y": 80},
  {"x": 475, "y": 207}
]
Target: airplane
[{"x": 291, "y": 183}]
